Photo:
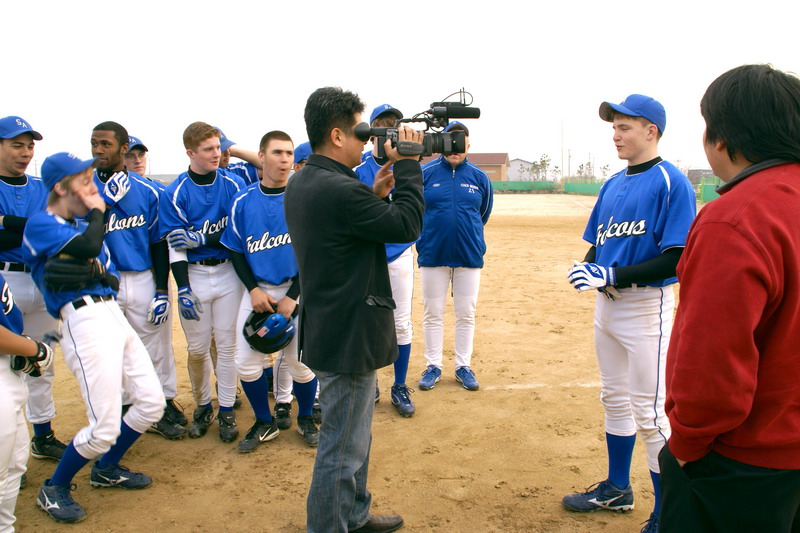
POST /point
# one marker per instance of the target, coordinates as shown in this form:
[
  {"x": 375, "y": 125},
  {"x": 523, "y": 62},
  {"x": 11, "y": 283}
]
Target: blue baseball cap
[
  {"x": 301, "y": 152},
  {"x": 637, "y": 105},
  {"x": 59, "y": 166},
  {"x": 224, "y": 142},
  {"x": 384, "y": 108},
  {"x": 453, "y": 125},
  {"x": 133, "y": 142},
  {"x": 11, "y": 127}
]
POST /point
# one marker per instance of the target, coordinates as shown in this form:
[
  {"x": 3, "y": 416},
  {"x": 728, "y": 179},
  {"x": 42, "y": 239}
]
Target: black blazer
[{"x": 338, "y": 229}]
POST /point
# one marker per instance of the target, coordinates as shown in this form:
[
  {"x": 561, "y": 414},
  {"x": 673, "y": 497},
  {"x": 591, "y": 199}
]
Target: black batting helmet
[{"x": 268, "y": 332}]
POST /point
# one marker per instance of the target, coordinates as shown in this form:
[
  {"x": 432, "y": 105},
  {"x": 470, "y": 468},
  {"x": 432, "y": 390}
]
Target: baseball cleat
[
  {"x": 316, "y": 412},
  {"x": 401, "y": 399},
  {"x": 237, "y": 403},
  {"x": 202, "y": 418},
  {"x": 118, "y": 476},
  {"x": 260, "y": 432},
  {"x": 430, "y": 376},
  {"x": 466, "y": 377},
  {"x": 47, "y": 447},
  {"x": 167, "y": 429},
  {"x": 283, "y": 415},
  {"x": 308, "y": 429},
  {"x": 651, "y": 524},
  {"x": 56, "y": 501},
  {"x": 602, "y": 495},
  {"x": 174, "y": 411},
  {"x": 23, "y": 481},
  {"x": 228, "y": 432}
]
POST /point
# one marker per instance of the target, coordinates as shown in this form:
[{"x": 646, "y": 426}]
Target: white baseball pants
[{"x": 14, "y": 440}]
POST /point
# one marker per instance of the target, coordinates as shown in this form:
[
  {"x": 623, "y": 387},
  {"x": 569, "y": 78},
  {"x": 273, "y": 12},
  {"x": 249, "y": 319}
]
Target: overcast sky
[{"x": 537, "y": 70}]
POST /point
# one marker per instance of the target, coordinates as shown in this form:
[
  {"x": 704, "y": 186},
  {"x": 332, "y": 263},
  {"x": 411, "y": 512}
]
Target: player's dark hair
[
  {"x": 197, "y": 132},
  {"x": 328, "y": 108},
  {"x": 276, "y": 135},
  {"x": 755, "y": 111},
  {"x": 120, "y": 133}
]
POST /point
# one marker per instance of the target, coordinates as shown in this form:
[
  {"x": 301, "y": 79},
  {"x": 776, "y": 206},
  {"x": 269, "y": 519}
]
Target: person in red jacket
[{"x": 733, "y": 394}]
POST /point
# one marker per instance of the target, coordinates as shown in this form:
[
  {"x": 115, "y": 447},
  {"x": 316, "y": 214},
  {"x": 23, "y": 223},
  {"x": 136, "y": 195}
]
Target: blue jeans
[{"x": 338, "y": 499}]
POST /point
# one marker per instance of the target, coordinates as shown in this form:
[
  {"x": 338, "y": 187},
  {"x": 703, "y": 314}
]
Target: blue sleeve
[
  {"x": 680, "y": 213},
  {"x": 170, "y": 216},
  {"x": 44, "y": 237},
  {"x": 231, "y": 237},
  {"x": 487, "y": 200}
]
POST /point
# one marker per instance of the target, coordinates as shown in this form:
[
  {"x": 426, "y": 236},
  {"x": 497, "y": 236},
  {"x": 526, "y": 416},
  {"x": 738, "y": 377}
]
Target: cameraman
[
  {"x": 458, "y": 202},
  {"x": 401, "y": 270},
  {"x": 338, "y": 227}
]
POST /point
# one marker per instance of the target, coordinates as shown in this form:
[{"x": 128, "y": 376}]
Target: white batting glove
[
  {"x": 36, "y": 365},
  {"x": 189, "y": 304},
  {"x": 158, "y": 312},
  {"x": 116, "y": 187},
  {"x": 181, "y": 239},
  {"x": 588, "y": 276}
]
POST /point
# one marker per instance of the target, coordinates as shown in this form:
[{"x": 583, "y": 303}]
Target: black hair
[
  {"x": 328, "y": 108},
  {"x": 275, "y": 135},
  {"x": 120, "y": 133},
  {"x": 755, "y": 111}
]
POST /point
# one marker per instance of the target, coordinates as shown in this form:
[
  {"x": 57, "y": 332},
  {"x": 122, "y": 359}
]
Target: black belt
[
  {"x": 14, "y": 267},
  {"x": 80, "y": 302},
  {"x": 629, "y": 285},
  {"x": 209, "y": 262}
]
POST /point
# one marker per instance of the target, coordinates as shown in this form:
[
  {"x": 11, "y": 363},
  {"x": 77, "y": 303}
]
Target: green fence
[
  {"x": 591, "y": 188},
  {"x": 707, "y": 189},
  {"x": 524, "y": 186}
]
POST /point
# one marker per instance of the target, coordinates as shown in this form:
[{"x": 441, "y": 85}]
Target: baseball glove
[{"x": 63, "y": 272}]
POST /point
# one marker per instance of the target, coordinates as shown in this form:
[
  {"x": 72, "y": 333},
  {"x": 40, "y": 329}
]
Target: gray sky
[{"x": 535, "y": 69}]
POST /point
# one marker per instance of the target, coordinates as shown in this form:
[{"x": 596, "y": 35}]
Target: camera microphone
[{"x": 453, "y": 110}]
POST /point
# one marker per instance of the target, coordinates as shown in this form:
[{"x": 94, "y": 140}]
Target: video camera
[{"x": 436, "y": 118}]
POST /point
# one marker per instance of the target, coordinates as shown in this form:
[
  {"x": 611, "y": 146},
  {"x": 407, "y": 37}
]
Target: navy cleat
[
  {"x": 283, "y": 415},
  {"x": 430, "y": 376},
  {"x": 56, "y": 501},
  {"x": 118, "y": 476},
  {"x": 466, "y": 377},
  {"x": 401, "y": 399},
  {"x": 260, "y": 432},
  {"x": 47, "y": 447},
  {"x": 602, "y": 495},
  {"x": 651, "y": 524}
]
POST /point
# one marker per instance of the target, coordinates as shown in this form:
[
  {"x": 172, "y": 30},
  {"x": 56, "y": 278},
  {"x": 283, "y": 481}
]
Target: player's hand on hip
[
  {"x": 261, "y": 301},
  {"x": 189, "y": 304},
  {"x": 588, "y": 276},
  {"x": 181, "y": 239},
  {"x": 116, "y": 187},
  {"x": 384, "y": 181},
  {"x": 158, "y": 312}
]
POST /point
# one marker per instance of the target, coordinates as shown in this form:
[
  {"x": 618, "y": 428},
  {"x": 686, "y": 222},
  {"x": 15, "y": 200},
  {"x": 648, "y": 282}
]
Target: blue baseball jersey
[
  {"x": 11, "y": 317},
  {"x": 204, "y": 208},
  {"x": 132, "y": 225},
  {"x": 45, "y": 235},
  {"x": 257, "y": 229},
  {"x": 22, "y": 201},
  {"x": 247, "y": 171},
  {"x": 638, "y": 217},
  {"x": 366, "y": 173}
]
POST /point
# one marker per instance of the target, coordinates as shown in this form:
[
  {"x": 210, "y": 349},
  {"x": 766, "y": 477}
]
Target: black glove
[
  {"x": 36, "y": 365},
  {"x": 66, "y": 273}
]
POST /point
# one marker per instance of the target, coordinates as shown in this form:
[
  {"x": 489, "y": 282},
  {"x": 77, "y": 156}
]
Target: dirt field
[{"x": 498, "y": 459}]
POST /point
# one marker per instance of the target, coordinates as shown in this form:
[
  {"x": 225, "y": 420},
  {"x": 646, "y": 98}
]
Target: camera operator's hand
[
  {"x": 404, "y": 134},
  {"x": 384, "y": 181}
]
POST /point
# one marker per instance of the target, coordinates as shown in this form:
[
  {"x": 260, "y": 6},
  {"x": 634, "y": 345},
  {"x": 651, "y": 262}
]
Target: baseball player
[
  {"x": 136, "y": 161},
  {"x": 249, "y": 169},
  {"x": 140, "y": 255},
  {"x": 30, "y": 358},
  {"x": 193, "y": 218},
  {"x": 458, "y": 202},
  {"x": 100, "y": 348},
  {"x": 637, "y": 231},
  {"x": 401, "y": 271},
  {"x": 264, "y": 260},
  {"x": 21, "y": 196},
  {"x": 301, "y": 153}
]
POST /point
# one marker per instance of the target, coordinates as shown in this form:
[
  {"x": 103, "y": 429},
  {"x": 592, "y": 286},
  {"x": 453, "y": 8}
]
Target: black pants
[{"x": 720, "y": 495}]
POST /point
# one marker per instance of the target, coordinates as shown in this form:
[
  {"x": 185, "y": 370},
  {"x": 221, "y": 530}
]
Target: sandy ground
[{"x": 498, "y": 459}]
